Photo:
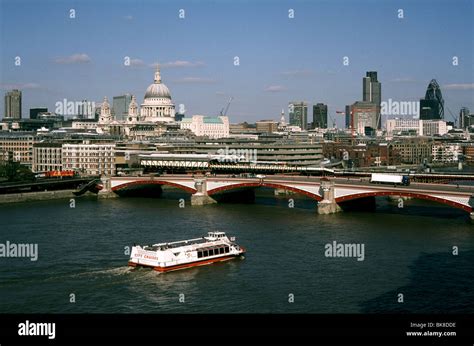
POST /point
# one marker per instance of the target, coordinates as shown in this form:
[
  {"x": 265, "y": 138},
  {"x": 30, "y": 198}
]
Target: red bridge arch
[
  {"x": 270, "y": 185},
  {"x": 153, "y": 182},
  {"x": 404, "y": 194}
]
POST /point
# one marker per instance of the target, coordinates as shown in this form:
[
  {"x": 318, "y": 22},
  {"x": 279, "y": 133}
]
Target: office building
[
  {"x": 372, "y": 92},
  {"x": 212, "y": 127},
  {"x": 464, "y": 118},
  {"x": 13, "y": 104},
  {"x": 348, "y": 117},
  {"x": 299, "y": 114},
  {"x": 320, "y": 116},
  {"x": 120, "y": 106},
  {"x": 18, "y": 146},
  {"x": 432, "y": 106},
  {"x": 364, "y": 117},
  {"x": 47, "y": 157},
  {"x": 89, "y": 158},
  {"x": 416, "y": 127},
  {"x": 34, "y": 112},
  {"x": 267, "y": 126}
]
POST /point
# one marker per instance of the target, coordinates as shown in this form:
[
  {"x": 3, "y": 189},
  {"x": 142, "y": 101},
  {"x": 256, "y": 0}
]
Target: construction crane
[
  {"x": 224, "y": 112},
  {"x": 333, "y": 120}
]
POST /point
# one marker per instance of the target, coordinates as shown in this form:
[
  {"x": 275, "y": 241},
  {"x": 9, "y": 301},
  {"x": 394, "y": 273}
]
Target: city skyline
[{"x": 278, "y": 60}]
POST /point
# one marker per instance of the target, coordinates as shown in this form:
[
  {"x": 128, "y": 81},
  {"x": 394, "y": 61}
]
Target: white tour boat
[{"x": 163, "y": 257}]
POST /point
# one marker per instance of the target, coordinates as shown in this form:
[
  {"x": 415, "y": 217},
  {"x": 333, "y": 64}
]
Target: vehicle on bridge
[
  {"x": 57, "y": 174},
  {"x": 164, "y": 257},
  {"x": 395, "y": 179}
]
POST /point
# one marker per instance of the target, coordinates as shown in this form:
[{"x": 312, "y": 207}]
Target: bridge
[{"x": 330, "y": 193}]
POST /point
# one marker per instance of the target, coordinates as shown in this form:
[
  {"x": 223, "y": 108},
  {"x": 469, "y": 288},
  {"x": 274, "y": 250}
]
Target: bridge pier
[
  {"x": 106, "y": 192},
  {"x": 200, "y": 197},
  {"x": 328, "y": 205}
]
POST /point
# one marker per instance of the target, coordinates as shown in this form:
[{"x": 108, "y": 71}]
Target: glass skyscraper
[
  {"x": 120, "y": 106},
  {"x": 299, "y": 114},
  {"x": 372, "y": 92},
  {"x": 320, "y": 116},
  {"x": 432, "y": 106}
]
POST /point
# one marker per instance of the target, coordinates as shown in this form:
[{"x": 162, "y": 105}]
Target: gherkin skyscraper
[{"x": 432, "y": 106}]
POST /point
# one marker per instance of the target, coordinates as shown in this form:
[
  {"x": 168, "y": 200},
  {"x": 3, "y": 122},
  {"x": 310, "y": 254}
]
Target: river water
[{"x": 82, "y": 260}]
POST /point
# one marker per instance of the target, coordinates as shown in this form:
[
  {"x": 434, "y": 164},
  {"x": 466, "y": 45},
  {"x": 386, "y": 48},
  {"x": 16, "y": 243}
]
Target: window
[
  {"x": 211, "y": 252},
  {"x": 199, "y": 254},
  {"x": 221, "y": 250},
  {"x": 206, "y": 253}
]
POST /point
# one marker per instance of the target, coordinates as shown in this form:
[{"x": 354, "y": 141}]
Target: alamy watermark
[
  {"x": 13, "y": 250},
  {"x": 28, "y": 328},
  {"x": 391, "y": 107},
  {"x": 65, "y": 107},
  {"x": 237, "y": 155},
  {"x": 335, "y": 249}
]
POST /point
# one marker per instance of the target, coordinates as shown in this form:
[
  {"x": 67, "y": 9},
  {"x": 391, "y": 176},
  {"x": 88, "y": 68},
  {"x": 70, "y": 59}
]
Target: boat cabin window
[
  {"x": 226, "y": 249},
  {"x": 221, "y": 250},
  {"x": 206, "y": 253},
  {"x": 199, "y": 254}
]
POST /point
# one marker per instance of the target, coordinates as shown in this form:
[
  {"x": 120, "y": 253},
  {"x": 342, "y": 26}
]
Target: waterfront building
[
  {"x": 272, "y": 149},
  {"x": 432, "y": 106},
  {"x": 18, "y": 146},
  {"x": 299, "y": 114},
  {"x": 320, "y": 116},
  {"x": 414, "y": 150},
  {"x": 212, "y": 127},
  {"x": 47, "y": 156},
  {"x": 89, "y": 158},
  {"x": 13, "y": 104},
  {"x": 361, "y": 154},
  {"x": 446, "y": 152}
]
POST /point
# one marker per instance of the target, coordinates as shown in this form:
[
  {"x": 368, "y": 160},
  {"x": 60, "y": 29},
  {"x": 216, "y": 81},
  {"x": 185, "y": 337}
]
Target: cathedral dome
[{"x": 157, "y": 89}]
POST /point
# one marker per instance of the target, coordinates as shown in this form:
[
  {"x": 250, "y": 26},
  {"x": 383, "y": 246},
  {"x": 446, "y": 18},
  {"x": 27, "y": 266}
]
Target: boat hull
[{"x": 187, "y": 265}]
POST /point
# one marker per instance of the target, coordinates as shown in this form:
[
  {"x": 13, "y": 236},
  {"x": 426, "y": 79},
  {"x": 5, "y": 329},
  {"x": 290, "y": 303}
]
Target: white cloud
[
  {"x": 137, "y": 62},
  {"x": 403, "y": 80},
  {"x": 20, "y": 86},
  {"x": 195, "y": 80},
  {"x": 297, "y": 73},
  {"x": 128, "y": 17},
  {"x": 461, "y": 86},
  {"x": 73, "y": 59},
  {"x": 275, "y": 88},
  {"x": 179, "y": 64}
]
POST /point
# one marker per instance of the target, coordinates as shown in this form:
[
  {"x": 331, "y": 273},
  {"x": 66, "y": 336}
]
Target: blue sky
[{"x": 281, "y": 59}]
